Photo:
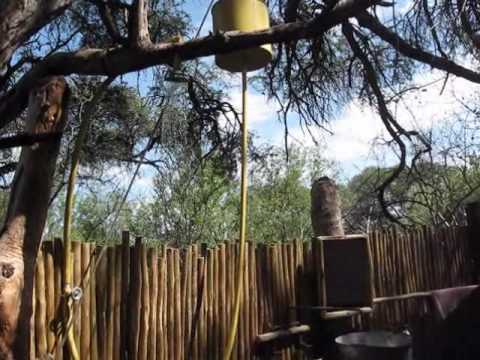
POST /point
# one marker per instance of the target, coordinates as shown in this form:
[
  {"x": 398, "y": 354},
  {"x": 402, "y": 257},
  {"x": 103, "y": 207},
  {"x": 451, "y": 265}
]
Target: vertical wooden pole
[
  {"x": 473, "y": 219},
  {"x": 196, "y": 286},
  {"x": 262, "y": 288},
  {"x": 77, "y": 277},
  {"x": 110, "y": 312},
  {"x": 49, "y": 291},
  {"x": 93, "y": 305},
  {"x": 117, "y": 315},
  {"x": 187, "y": 298},
  {"x": 40, "y": 309},
  {"x": 134, "y": 299},
  {"x": 253, "y": 298},
  {"x": 85, "y": 320},
  {"x": 145, "y": 306},
  {"x": 125, "y": 285},
  {"x": 178, "y": 307},
  {"x": 222, "y": 279},
  {"x": 161, "y": 322},
  {"x": 152, "y": 337},
  {"x": 202, "y": 331},
  {"x": 101, "y": 281},
  {"x": 217, "y": 313},
  {"x": 170, "y": 310},
  {"x": 58, "y": 266}
]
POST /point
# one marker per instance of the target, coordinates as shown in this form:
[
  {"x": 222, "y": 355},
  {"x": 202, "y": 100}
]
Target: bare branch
[
  {"x": 368, "y": 21},
  {"x": 22, "y": 19},
  {"x": 7, "y": 168},
  {"x": 108, "y": 20},
  {"x": 27, "y": 139},
  {"x": 391, "y": 125},
  {"x": 291, "y": 10}
]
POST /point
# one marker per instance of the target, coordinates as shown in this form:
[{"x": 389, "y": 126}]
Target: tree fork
[{"x": 27, "y": 211}]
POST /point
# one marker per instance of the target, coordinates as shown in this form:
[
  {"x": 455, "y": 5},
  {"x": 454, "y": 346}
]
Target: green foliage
[
  {"x": 431, "y": 193},
  {"x": 280, "y": 195},
  {"x": 196, "y": 202},
  {"x": 190, "y": 205}
]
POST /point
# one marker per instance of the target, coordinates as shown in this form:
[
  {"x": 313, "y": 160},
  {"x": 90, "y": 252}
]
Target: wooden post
[
  {"x": 49, "y": 290},
  {"x": 326, "y": 219},
  {"x": 134, "y": 301},
  {"x": 473, "y": 219},
  {"x": 325, "y": 211},
  {"x": 124, "y": 329}
]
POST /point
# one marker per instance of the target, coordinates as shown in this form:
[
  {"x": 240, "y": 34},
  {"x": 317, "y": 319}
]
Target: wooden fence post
[
  {"x": 473, "y": 219},
  {"x": 126, "y": 283}
]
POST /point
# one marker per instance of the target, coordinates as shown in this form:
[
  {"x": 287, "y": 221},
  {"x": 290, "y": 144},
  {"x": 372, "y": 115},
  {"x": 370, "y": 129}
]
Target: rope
[
  {"x": 243, "y": 223},
  {"x": 203, "y": 19}
]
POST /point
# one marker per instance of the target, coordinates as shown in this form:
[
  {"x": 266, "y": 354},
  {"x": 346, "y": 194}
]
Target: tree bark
[
  {"x": 25, "y": 220},
  {"x": 325, "y": 212},
  {"x": 21, "y": 19}
]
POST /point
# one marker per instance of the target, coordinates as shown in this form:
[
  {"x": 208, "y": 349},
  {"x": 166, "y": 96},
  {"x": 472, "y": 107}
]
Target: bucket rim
[{"x": 405, "y": 342}]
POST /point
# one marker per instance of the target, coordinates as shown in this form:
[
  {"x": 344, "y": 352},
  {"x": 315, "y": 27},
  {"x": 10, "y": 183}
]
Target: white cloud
[
  {"x": 143, "y": 183},
  {"x": 358, "y": 128},
  {"x": 425, "y": 108},
  {"x": 351, "y": 138},
  {"x": 259, "y": 108}
]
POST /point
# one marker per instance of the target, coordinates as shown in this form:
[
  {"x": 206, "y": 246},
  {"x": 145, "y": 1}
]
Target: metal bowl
[{"x": 373, "y": 345}]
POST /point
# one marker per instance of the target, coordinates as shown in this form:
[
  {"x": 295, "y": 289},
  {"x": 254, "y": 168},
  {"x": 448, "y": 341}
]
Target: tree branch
[
  {"x": 291, "y": 10},
  {"x": 27, "y": 139},
  {"x": 368, "y": 21},
  {"x": 393, "y": 128},
  {"x": 138, "y": 34},
  {"x": 7, "y": 168},
  {"x": 121, "y": 60},
  {"x": 22, "y": 19},
  {"x": 109, "y": 21}
]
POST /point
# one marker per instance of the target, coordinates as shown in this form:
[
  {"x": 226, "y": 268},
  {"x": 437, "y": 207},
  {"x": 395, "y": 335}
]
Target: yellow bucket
[{"x": 242, "y": 15}]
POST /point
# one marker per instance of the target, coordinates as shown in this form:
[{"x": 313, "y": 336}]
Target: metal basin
[{"x": 373, "y": 345}]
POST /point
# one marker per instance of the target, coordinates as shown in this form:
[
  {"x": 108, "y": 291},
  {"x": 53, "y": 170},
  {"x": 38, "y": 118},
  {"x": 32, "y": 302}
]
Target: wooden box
[{"x": 346, "y": 271}]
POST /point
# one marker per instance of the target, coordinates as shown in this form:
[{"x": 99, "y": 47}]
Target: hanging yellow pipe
[
  {"x": 243, "y": 223},
  {"x": 241, "y": 15}
]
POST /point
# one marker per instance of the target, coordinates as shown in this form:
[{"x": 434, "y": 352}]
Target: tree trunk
[
  {"x": 25, "y": 220},
  {"x": 325, "y": 212},
  {"x": 21, "y": 19}
]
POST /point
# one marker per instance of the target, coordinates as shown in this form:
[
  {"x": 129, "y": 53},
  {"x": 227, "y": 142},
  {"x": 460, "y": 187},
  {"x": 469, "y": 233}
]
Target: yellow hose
[
  {"x": 67, "y": 241},
  {"x": 243, "y": 224}
]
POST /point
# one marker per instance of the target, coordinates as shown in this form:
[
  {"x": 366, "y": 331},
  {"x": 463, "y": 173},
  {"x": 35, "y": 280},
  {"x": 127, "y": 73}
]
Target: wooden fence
[{"x": 165, "y": 303}]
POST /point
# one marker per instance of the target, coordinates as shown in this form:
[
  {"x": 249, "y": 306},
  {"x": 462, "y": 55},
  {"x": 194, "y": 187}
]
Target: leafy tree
[
  {"x": 432, "y": 193},
  {"x": 200, "y": 204},
  {"x": 280, "y": 194}
]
